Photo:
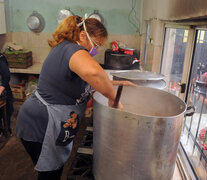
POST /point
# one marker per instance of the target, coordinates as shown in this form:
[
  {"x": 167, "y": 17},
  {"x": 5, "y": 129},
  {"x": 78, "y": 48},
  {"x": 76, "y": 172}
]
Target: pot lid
[
  {"x": 160, "y": 84},
  {"x": 138, "y": 75},
  {"x": 97, "y": 16},
  {"x": 63, "y": 13},
  {"x": 35, "y": 22}
]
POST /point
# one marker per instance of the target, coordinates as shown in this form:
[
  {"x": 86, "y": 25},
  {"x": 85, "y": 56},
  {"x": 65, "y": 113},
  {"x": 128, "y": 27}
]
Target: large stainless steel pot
[{"x": 141, "y": 141}]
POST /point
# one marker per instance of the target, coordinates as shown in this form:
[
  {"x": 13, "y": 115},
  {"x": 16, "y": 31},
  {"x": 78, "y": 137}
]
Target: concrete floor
[{"x": 15, "y": 163}]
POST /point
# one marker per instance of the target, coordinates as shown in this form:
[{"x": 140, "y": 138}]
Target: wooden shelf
[{"x": 34, "y": 69}]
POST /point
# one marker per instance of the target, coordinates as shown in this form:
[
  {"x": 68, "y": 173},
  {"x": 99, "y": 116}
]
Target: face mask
[{"x": 93, "y": 50}]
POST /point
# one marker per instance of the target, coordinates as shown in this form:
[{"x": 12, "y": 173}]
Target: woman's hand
[
  {"x": 111, "y": 103},
  {"x": 124, "y": 83},
  {"x": 1, "y": 89}
]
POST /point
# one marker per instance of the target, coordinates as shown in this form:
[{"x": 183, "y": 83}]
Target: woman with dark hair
[
  {"x": 68, "y": 75},
  {"x": 5, "y": 90}
]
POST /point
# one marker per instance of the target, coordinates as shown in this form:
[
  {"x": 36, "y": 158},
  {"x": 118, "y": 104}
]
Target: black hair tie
[{"x": 78, "y": 19}]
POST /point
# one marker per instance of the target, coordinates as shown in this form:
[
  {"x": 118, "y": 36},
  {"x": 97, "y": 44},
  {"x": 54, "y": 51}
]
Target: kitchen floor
[{"x": 15, "y": 163}]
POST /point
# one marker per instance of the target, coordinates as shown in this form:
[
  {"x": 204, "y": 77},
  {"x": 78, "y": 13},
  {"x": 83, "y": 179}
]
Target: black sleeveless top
[{"x": 57, "y": 84}]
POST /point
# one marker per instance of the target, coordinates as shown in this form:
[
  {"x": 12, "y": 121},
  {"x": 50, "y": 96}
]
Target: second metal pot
[{"x": 141, "y": 78}]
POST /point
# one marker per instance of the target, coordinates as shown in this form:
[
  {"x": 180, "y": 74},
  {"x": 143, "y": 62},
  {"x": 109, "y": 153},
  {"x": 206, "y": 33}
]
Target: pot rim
[{"x": 181, "y": 102}]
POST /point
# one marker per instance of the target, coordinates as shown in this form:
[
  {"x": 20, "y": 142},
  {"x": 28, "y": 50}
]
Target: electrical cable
[{"x": 134, "y": 16}]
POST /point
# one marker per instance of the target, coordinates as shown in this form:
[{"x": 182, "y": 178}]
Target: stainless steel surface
[
  {"x": 138, "y": 75},
  {"x": 140, "y": 141},
  {"x": 158, "y": 84},
  {"x": 63, "y": 13},
  {"x": 141, "y": 78},
  {"x": 35, "y": 22}
]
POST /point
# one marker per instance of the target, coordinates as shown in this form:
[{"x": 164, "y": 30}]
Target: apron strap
[{"x": 41, "y": 99}]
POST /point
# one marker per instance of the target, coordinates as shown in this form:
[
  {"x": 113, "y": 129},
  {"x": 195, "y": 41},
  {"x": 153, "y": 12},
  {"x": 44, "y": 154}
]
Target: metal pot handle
[{"x": 190, "y": 111}]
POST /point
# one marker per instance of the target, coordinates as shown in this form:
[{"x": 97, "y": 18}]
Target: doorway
[{"x": 184, "y": 63}]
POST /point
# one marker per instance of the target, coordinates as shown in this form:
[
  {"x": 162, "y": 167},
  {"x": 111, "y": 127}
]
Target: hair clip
[{"x": 78, "y": 18}]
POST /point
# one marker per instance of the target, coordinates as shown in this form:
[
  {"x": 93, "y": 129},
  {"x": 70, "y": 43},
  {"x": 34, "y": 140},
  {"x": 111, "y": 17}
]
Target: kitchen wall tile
[{"x": 38, "y": 43}]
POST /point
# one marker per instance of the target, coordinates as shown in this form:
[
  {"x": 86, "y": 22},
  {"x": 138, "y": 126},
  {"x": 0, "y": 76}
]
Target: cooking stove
[
  {"x": 81, "y": 168},
  {"x": 87, "y": 140}
]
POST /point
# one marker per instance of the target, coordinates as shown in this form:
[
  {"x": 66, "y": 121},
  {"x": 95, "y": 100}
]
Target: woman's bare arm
[
  {"x": 90, "y": 71},
  {"x": 124, "y": 83}
]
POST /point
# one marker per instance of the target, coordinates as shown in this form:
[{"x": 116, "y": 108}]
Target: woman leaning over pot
[{"x": 49, "y": 119}]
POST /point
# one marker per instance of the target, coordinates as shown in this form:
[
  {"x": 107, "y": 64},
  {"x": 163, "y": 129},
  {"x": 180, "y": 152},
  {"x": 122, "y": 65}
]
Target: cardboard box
[{"x": 18, "y": 92}]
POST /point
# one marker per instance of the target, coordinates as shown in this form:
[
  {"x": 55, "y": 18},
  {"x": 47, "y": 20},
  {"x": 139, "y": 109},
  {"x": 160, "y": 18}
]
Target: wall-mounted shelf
[{"x": 34, "y": 69}]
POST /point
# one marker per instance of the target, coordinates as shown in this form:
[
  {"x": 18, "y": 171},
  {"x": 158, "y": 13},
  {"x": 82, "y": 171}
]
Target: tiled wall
[
  {"x": 117, "y": 14},
  {"x": 37, "y": 43},
  {"x": 3, "y": 39}
]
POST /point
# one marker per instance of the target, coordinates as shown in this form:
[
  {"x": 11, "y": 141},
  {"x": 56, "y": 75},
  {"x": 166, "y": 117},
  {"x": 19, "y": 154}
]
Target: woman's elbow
[{"x": 93, "y": 73}]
